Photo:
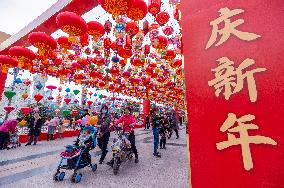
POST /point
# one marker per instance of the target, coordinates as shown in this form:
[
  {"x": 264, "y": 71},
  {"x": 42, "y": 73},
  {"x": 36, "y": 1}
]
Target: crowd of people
[{"x": 163, "y": 125}]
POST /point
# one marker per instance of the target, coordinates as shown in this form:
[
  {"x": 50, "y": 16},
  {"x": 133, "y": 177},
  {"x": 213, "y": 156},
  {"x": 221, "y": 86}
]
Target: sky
[{"x": 16, "y": 14}]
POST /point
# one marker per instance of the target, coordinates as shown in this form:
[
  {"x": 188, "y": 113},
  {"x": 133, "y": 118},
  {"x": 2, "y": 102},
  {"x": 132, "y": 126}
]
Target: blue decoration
[
  {"x": 67, "y": 90},
  {"x": 18, "y": 81},
  {"x": 115, "y": 59},
  {"x": 39, "y": 86}
]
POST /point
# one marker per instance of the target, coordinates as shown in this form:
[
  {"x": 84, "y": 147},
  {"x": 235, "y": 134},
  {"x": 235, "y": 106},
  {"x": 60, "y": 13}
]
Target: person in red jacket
[{"x": 128, "y": 122}]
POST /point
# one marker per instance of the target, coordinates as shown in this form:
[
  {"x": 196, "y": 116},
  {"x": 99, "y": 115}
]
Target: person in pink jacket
[
  {"x": 7, "y": 127},
  {"x": 128, "y": 122}
]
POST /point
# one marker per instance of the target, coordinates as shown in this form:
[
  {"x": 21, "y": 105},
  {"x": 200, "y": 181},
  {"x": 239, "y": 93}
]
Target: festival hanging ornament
[
  {"x": 168, "y": 30},
  {"x": 154, "y": 6},
  {"x": 67, "y": 90},
  {"x": 71, "y": 23},
  {"x": 23, "y": 123},
  {"x": 7, "y": 62},
  {"x": 38, "y": 98},
  {"x": 26, "y": 110},
  {"x": 25, "y": 96},
  {"x": 64, "y": 43},
  {"x": 138, "y": 10},
  {"x": 75, "y": 112},
  {"x": 131, "y": 28},
  {"x": 76, "y": 92},
  {"x": 51, "y": 87},
  {"x": 9, "y": 94},
  {"x": 57, "y": 111},
  {"x": 67, "y": 100},
  {"x": 95, "y": 29},
  {"x": 89, "y": 103},
  {"x": 116, "y": 7},
  {"x": 39, "y": 86},
  {"x": 162, "y": 18},
  {"x": 9, "y": 109},
  {"x": 24, "y": 55},
  {"x": 18, "y": 81},
  {"x": 43, "y": 42},
  {"x": 66, "y": 112},
  {"x": 84, "y": 41}
]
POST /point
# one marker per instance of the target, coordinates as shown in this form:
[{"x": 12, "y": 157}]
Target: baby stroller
[
  {"x": 76, "y": 158},
  {"x": 14, "y": 140}
]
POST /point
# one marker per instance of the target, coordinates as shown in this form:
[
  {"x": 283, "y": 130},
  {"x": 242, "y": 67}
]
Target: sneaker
[
  {"x": 136, "y": 160},
  {"x": 177, "y": 138},
  {"x": 157, "y": 154},
  {"x": 110, "y": 163},
  {"x": 34, "y": 143},
  {"x": 28, "y": 144}
]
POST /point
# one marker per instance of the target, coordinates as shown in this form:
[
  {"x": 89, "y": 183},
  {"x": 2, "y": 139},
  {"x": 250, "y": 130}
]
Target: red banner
[{"x": 234, "y": 62}]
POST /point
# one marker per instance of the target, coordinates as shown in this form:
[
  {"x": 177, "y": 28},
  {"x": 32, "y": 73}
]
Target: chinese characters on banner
[{"x": 233, "y": 61}]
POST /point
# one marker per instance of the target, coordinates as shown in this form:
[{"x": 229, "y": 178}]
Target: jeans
[
  {"x": 156, "y": 132},
  {"x": 103, "y": 142}
]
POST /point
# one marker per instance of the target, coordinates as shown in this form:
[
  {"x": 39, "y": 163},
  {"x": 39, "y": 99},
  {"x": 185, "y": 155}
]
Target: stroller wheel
[
  {"x": 61, "y": 176},
  {"x": 76, "y": 178},
  {"x": 94, "y": 167}
]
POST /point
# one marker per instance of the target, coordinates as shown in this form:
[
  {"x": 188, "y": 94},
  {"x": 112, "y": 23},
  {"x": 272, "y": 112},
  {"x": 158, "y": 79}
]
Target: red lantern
[
  {"x": 71, "y": 23},
  {"x": 146, "y": 49},
  {"x": 107, "y": 43},
  {"x": 95, "y": 29},
  {"x": 23, "y": 55},
  {"x": 42, "y": 41},
  {"x": 116, "y": 7},
  {"x": 145, "y": 27},
  {"x": 7, "y": 62},
  {"x": 162, "y": 18},
  {"x": 128, "y": 42},
  {"x": 154, "y": 6},
  {"x": 161, "y": 42},
  {"x": 177, "y": 63},
  {"x": 9, "y": 109},
  {"x": 64, "y": 42},
  {"x": 131, "y": 28},
  {"x": 138, "y": 10},
  {"x": 26, "y": 110},
  {"x": 124, "y": 53},
  {"x": 137, "y": 62},
  {"x": 38, "y": 97}
]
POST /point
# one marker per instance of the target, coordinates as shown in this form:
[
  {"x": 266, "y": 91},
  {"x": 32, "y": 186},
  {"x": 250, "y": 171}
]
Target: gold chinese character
[
  {"x": 244, "y": 139},
  {"x": 231, "y": 80},
  {"x": 229, "y": 28}
]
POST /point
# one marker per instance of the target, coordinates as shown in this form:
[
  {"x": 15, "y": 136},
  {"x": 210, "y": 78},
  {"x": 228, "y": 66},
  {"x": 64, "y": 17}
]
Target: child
[
  {"x": 60, "y": 129},
  {"x": 163, "y": 132},
  {"x": 85, "y": 140},
  {"x": 15, "y": 140}
]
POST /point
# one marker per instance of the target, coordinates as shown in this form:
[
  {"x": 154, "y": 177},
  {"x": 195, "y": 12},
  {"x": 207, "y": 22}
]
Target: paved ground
[{"x": 34, "y": 166}]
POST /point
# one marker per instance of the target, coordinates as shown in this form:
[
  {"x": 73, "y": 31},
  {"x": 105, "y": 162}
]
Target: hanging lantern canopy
[
  {"x": 154, "y": 6},
  {"x": 162, "y": 18},
  {"x": 95, "y": 29},
  {"x": 116, "y": 7},
  {"x": 138, "y": 10},
  {"x": 43, "y": 42},
  {"x": 71, "y": 23}
]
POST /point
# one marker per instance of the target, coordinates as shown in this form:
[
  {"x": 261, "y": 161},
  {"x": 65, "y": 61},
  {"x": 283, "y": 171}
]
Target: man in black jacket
[{"x": 155, "y": 119}]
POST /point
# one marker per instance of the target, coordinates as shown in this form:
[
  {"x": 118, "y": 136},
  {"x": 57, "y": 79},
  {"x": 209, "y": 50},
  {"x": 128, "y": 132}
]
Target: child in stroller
[
  {"x": 14, "y": 140},
  {"x": 77, "y": 156}
]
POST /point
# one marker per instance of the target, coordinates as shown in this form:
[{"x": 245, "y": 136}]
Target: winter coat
[
  {"x": 104, "y": 122},
  {"x": 9, "y": 126},
  {"x": 127, "y": 121},
  {"x": 35, "y": 127},
  {"x": 174, "y": 121},
  {"x": 156, "y": 120}
]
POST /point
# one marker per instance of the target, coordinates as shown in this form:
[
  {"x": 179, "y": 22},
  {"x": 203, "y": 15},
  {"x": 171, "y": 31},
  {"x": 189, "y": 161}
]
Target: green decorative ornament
[
  {"x": 66, "y": 112},
  {"x": 100, "y": 96},
  {"x": 92, "y": 66},
  {"x": 76, "y": 91},
  {"x": 9, "y": 94},
  {"x": 107, "y": 70}
]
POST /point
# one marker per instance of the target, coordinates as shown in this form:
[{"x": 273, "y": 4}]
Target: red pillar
[
  {"x": 146, "y": 109},
  {"x": 3, "y": 77}
]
